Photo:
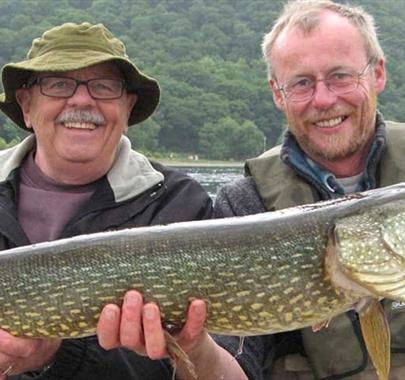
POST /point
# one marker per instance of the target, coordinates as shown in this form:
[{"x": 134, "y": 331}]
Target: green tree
[
  {"x": 206, "y": 55},
  {"x": 246, "y": 141},
  {"x": 144, "y": 137},
  {"x": 229, "y": 139}
]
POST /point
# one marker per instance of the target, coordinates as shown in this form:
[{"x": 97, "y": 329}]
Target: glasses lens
[
  {"x": 57, "y": 86},
  {"x": 342, "y": 83},
  {"x": 300, "y": 96},
  {"x": 105, "y": 88},
  {"x": 300, "y": 89}
]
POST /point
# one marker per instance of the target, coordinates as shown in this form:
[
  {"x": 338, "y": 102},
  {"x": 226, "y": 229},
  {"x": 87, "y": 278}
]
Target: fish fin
[
  {"x": 319, "y": 326},
  {"x": 240, "y": 348},
  {"x": 376, "y": 334},
  {"x": 176, "y": 354}
]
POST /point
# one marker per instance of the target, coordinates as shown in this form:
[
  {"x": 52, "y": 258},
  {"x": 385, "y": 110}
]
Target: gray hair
[{"x": 305, "y": 15}]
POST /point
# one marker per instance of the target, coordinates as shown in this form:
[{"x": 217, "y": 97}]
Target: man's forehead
[
  {"x": 325, "y": 23},
  {"x": 101, "y": 70},
  {"x": 333, "y": 42}
]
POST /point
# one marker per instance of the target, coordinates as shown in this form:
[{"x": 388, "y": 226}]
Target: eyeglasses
[
  {"x": 65, "y": 87},
  {"x": 339, "y": 82}
]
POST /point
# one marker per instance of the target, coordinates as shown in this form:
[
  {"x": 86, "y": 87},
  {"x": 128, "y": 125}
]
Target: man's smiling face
[
  {"x": 78, "y": 129},
  {"x": 328, "y": 126}
]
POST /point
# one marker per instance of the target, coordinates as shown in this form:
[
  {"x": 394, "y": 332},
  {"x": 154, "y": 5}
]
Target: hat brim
[{"x": 15, "y": 75}]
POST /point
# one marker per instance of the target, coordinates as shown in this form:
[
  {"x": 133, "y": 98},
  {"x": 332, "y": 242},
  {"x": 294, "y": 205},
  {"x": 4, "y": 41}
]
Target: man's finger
[
  {"x": 17, "y": 346},
  {"x": 194, "y": 325},
  {"x": 131, "y": 334},
  {"x": 153, "y": 332},
  {"x": 5, "y": 362},
  {"x": 108, "y": 327}
]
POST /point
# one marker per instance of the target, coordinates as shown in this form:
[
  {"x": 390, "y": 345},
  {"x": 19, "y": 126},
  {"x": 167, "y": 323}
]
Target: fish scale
[{"x": 258, "y": 274}]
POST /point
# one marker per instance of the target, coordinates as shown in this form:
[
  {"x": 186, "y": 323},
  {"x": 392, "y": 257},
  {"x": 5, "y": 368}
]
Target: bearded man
[{"x": 325, "y": 69}]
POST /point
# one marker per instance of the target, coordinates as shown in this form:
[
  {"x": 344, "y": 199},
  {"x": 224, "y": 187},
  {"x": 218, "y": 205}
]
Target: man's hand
[
  {"x": 138, "y": 327},
  {"x": 24, "y": 354}
]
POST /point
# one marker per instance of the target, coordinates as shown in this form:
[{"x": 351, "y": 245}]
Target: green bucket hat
[{"x": 72, "y": 47}]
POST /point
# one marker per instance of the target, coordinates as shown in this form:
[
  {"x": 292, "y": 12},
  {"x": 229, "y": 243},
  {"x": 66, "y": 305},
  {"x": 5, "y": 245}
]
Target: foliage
[
  {"x": 8, "y": 130},
  {"x": 206, "y": 55},
  {"x": 230, "y": 140},
  {"x": 144, "y": 137},
  {"x": 4, "y": 144}
]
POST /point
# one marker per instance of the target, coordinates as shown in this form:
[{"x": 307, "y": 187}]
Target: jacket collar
[
  {"x": 131, "y": 173},
  {"x": 11, "y": 158}
]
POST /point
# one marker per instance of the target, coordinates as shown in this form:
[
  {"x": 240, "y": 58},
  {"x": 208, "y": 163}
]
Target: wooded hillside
[{"x": 206, "y": 55}]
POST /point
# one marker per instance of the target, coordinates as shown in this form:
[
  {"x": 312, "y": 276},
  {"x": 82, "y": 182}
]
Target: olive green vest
[{"x": 337, "y": 351}]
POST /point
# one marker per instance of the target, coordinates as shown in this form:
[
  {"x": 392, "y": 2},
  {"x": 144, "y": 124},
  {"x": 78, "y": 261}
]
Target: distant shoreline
[{"x": 200, "y": 163}]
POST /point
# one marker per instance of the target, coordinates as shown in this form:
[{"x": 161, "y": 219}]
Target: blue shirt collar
[{"x": 323, "y": 180}]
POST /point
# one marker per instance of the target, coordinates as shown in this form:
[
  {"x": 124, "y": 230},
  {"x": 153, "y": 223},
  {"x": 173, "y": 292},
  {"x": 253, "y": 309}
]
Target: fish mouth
[{"x": 330, "y": 122}]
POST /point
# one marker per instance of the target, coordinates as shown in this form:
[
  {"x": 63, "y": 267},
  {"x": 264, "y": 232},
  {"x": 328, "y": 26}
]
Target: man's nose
[
  {"x": 323, "y": 97},
  {"x": 81, "y": 96}
]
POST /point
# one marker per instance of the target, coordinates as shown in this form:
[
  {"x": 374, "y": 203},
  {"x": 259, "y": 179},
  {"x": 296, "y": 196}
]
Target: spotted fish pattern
[{"x": 258, "y": 274}]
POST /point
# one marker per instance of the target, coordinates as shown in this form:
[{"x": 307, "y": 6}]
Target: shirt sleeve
[{"x": 238, "y": 198}]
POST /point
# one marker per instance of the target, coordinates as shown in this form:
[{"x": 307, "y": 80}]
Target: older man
[
  {"x": 326, "y": 69},
  {"x": 77, "y": 91}
]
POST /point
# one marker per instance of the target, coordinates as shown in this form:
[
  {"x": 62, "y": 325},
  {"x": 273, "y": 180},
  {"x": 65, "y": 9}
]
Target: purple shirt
[{"x": 45, "y": 206}]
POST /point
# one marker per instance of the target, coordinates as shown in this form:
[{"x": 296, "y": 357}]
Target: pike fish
[{"x": 258, "y": 274}]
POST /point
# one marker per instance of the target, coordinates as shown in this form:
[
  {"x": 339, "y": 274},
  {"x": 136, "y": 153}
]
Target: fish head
[{"x": 370, "y": 249}]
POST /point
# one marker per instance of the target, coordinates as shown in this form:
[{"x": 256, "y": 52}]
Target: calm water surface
[{"x": 211, "y": 178}]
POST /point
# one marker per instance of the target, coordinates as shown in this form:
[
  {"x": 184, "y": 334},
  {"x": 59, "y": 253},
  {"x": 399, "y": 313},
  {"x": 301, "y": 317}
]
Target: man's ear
[
  {"x": 131, "y": 101},
  {"x": 278, "y": 97},
  {"x": 380, "y": 76},
  {"x": 23, "y": 96}
]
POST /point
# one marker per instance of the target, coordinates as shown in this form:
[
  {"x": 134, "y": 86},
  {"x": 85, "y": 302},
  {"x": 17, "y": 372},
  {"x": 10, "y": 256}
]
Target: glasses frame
[
  {"x": 357, "y": 75},
  {"x": 38, "y": 81}
]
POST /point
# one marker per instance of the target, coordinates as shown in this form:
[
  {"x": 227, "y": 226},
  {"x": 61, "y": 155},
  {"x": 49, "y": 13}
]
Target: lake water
[{"x": 211, "y": 178}]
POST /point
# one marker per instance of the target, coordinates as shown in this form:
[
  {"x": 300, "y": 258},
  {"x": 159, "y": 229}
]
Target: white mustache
[{"x": 80, "y": 116}]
